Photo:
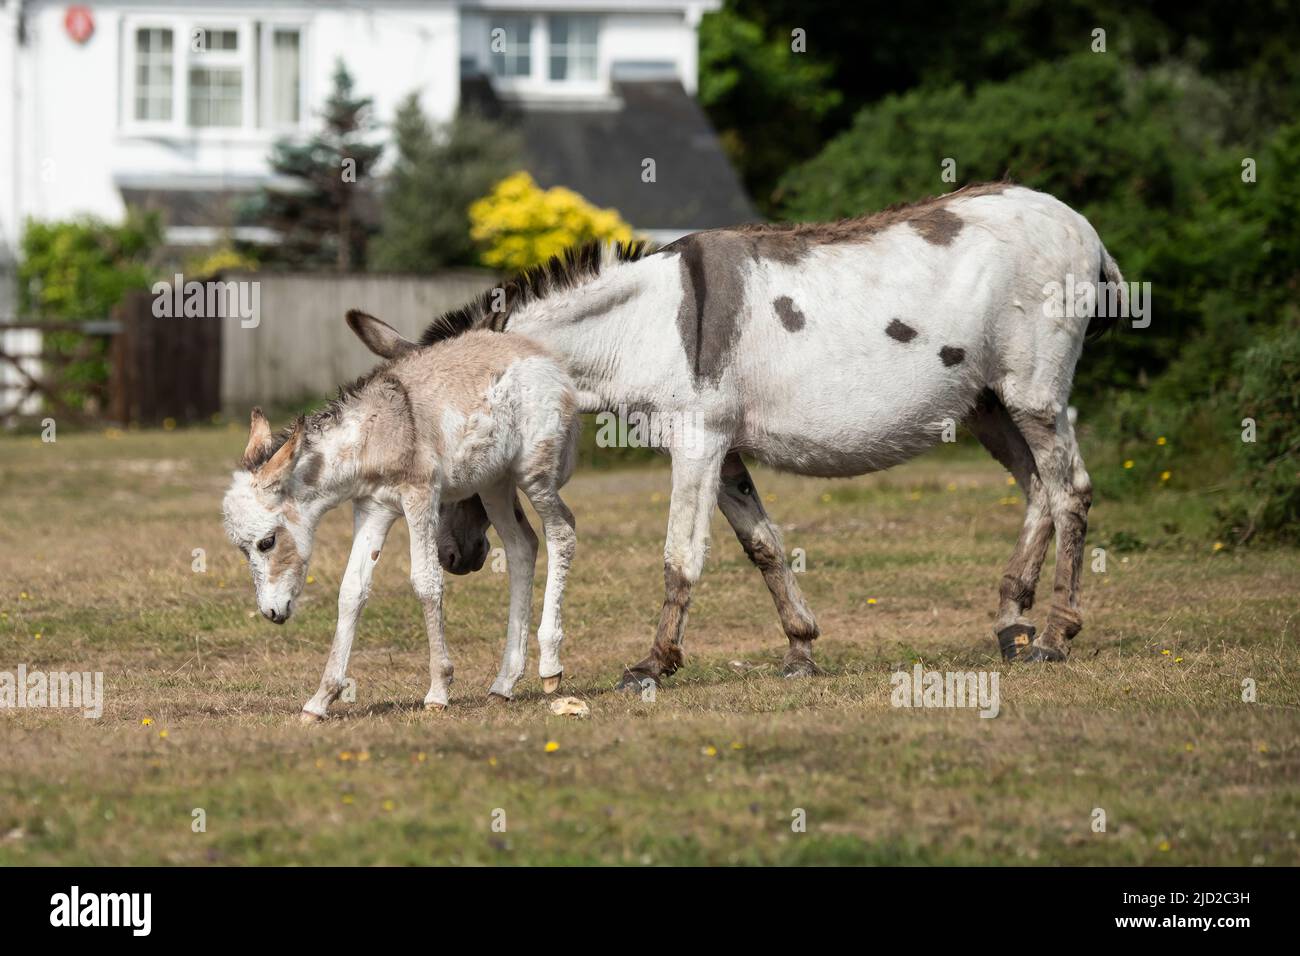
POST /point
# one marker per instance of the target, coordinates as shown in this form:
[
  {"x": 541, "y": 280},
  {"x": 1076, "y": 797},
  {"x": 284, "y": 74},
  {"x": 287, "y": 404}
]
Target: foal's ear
[
  {"x": 281, "y": 463},
  {"x": 378, "y": 336},
  {"x": 259, "y": 440}
]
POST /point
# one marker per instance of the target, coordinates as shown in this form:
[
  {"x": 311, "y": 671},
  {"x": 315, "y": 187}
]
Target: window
[
  {"x": 153, "y": 75},
  {"x": 573, "y": 48},
  {"x": 216, "y": 79},
  {"x": 285, "y": 80},
  {"x": 510, "y": 46},
  {"x": 219, "y": 76}
]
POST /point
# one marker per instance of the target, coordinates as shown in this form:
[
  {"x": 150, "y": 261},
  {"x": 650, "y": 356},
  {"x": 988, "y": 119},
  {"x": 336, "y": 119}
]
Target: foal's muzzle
[{"x": 276, "y": 616}]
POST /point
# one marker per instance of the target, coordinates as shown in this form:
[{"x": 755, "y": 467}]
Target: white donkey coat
[{"x": 837, "y": 349}]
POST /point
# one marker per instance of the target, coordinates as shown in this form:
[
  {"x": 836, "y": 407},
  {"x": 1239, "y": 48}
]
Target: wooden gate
[
  {"x": 33, "y": 379},
  {"x": 163, "y": 367}
]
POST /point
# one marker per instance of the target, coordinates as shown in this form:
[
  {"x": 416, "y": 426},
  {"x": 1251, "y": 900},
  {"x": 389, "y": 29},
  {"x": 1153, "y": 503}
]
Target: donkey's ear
[
  {"x": 259, "y": 440},
  {"x": 380, "y": 337},
  {"x": 281, "y": 463}
]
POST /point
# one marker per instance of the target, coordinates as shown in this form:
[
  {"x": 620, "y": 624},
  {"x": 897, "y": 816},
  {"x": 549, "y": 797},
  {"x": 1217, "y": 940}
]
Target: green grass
[{"x": 1145, "y": 722}]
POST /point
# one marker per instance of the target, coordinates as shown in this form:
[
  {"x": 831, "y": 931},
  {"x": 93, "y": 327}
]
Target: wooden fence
[
  {"x": 291, "y": 347},
  {"x": 301, "y": 348}
]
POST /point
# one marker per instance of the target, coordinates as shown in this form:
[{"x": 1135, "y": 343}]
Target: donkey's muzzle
[{"x": 456, "y": 561}]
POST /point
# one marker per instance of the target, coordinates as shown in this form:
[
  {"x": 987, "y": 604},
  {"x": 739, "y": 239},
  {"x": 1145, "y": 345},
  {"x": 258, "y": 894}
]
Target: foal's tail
[{"x": 1111, "y": 298}]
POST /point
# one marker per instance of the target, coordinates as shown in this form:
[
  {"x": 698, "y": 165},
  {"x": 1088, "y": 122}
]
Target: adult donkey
[{"x": 832, "y": 350}]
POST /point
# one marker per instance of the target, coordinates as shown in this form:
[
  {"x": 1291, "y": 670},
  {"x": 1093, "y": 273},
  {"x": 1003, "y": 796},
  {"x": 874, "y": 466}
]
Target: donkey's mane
[
  {"x": 575, "y": 266},
  {"x": 313, "y": 423}
]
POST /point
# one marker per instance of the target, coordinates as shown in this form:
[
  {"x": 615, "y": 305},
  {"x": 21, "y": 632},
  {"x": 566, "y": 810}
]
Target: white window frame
[
  {"x": 516, "y": 79},
  {"x": 266, "y": 81},
  {"x": 256, "y": 87},
  {"x": 243, "y": 58},
  {"x": 130, "y": 61},
  {"x": 570, "y": 46},
  {"x": 538, "y": 81}
]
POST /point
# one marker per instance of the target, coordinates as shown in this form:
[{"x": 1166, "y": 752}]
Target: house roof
[{"x": 599, "y": 150}]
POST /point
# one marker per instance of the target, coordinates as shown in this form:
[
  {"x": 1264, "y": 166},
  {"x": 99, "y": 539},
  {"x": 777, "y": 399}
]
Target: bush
[
  {"x": 78, "y": 270},
  {"x": 521, "y": 225},
  {"x": 1268, "y": 504}
]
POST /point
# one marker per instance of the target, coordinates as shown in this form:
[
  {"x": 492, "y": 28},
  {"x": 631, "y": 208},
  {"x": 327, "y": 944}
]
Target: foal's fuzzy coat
[{"x": 476, "y": 416}]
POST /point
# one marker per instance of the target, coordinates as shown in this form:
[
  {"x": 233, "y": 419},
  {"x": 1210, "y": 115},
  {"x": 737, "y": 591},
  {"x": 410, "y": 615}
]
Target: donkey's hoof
[
  {"x": 800, "y": 666},
  {"x": 307, "y": 717},
  {"x": 551, "y": 684},
  {"x": 497, "y": 700},
  {"x": 1014, "y": 638},
  {"x": 636, "y": 683},
  {"x": 433, "y": 705},
  {"x": 1037, "y": 653}
]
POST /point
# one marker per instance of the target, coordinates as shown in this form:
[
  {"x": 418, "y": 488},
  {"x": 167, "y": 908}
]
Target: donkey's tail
[{"x": 1111, "y": 298}]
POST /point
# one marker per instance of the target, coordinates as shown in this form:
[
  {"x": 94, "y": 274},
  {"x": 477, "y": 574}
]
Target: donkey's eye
[{"x": 267, "y": 543}]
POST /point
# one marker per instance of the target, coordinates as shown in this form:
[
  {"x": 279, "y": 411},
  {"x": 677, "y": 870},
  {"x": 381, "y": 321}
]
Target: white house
[{"x": 175, "y": 104}]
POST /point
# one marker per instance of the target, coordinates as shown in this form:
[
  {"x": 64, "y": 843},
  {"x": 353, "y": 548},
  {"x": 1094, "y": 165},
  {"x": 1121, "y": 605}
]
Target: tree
[
  {"x": 319, "y": 219},
  {"x": 427, "y": 195},
  {"x": 766, "y": 100}
]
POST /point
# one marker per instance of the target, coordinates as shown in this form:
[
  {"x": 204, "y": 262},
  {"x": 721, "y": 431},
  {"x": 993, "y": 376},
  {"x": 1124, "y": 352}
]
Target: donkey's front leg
[
  {"x": 695, "y": 490},
  {"x": 421, "y": 509},
  {"x": 761, "y": 539},
  {"x": 520, "y": 543},
  {"x": 370, "y": 526}
]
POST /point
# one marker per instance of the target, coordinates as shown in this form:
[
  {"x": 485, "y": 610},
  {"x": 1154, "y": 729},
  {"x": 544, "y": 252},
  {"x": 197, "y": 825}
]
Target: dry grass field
[{"x": 1145, "y": 722}]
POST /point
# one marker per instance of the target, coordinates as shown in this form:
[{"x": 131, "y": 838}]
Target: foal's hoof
[
  {"x": 636, "y": 683},
  {"x": 307, "y": 717},
  {"x": 497, "y": 700},
  {"x": 799, "y": 667},
  {"x": 434, "y": 706},
  {"x": 1014, "y": 638},
  {"x": 551, "y": 684},
  {"x": 1038, "y": 653}
]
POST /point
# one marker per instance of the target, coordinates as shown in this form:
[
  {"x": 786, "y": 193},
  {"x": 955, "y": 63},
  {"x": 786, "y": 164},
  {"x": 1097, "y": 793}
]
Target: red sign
[{"x": 79, "y": 23}]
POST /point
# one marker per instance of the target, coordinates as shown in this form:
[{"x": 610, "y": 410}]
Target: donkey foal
[{"x": 476, "y": 416}]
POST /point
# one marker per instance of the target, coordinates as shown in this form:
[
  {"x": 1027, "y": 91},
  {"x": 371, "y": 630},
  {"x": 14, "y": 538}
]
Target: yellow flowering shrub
[
  {"x": 219, "y": 260},
  {"x": 519, "y": 224}
]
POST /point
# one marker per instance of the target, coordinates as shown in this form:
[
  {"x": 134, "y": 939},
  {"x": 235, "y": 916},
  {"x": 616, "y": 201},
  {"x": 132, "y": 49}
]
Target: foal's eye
[{"x": 267, "y": 543}]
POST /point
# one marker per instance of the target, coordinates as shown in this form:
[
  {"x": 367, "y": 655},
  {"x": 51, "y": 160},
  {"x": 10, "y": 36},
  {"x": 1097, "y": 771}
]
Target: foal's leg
[
  {"x": 696, "y": 476},
  {"x": 421, "y": 508},
  {"x": 370, "y": 526},
  {"x": 1069, "y": 494},
  {"x": 521, "y": 561},
  {"x": 992, "y": 425},
  {"x": 761, "y": 539},
  {"x": 561, "y": 543}
]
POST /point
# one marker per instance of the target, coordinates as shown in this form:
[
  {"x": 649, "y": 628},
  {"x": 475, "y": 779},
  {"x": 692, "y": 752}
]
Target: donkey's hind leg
[
  {"x": 993, "y": 426},
  {"x": 761, "y": 539},
  {"x": 520, "y": 543},
  {"x": 1069, "y": 495},
  {"x": 561, "y": 543}
]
